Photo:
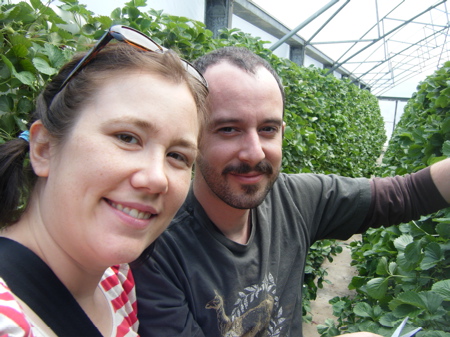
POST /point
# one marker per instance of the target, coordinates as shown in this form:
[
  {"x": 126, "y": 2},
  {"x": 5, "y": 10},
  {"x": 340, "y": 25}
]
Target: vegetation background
[{"x": 333, "y": 127}]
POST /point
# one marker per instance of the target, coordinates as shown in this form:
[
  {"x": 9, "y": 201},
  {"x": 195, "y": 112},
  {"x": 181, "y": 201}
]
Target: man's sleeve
[
  {"x": 400, "y": 199},
  {"x": 162, "y": 307}
]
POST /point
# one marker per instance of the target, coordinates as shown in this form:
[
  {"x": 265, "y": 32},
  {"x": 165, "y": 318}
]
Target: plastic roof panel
[{"x": 381, "y": 42}]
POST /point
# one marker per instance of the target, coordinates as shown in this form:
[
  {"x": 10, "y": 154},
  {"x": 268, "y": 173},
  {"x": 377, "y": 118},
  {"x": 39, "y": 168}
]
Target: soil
[{"x": 340, "y": 273}]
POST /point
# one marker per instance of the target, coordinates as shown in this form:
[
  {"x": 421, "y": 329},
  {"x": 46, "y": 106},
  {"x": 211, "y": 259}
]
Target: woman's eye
[
  {"x": 179, "y": 157},
  {"x": 127, "y": 138}
]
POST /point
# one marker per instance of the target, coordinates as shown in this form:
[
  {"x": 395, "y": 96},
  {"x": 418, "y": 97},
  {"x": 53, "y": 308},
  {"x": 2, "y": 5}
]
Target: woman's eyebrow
[
  {"x": 132, "y": 120},
  {"x": 146, "y": 127}
]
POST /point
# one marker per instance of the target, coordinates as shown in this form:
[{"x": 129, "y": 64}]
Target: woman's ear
[{"x": 40, "y": 149}]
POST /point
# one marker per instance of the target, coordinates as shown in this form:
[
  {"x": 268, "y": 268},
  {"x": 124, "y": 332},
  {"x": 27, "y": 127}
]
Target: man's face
[{"x": 241, "y": 148}]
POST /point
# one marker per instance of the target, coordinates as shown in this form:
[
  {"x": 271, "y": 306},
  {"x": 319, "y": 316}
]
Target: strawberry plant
[{"x": 405, "y": 270}]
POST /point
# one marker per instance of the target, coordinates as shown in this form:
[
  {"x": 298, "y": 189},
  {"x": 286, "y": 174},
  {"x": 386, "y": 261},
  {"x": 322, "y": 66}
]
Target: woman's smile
[{"x": 133, "y": 212}]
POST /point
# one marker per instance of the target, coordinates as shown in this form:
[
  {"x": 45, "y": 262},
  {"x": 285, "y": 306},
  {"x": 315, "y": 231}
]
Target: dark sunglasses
[{"x": 132, "y": 37}]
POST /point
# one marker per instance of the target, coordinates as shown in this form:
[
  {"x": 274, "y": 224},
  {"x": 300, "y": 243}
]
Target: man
[{"x": 232, "y": 261}]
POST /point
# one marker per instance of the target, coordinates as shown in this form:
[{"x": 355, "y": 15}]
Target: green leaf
[
  {"x": 430, "y": 333},
  {"x": 442, "y": 288},
  {"x": 389, "y": 320},
  {"x": 363, "y": 309},
  {"x": 402, "y": 241},
  {"x": 42, "y": 66},
  {"x": 18, "y": 39},
  {"x": 25, "y": 77},
  {"x": 4, "y": 71},
  {"x": 133, "y": 12},
  {"x": 392, "y": 268},
  {"x": 382, "y": 267},
  {"x": 443, "y": 229},
  {"x": 20, "y": 50},
  {"x": 6, "y": 104},
  {"x": 446, "y": 148},
  {"x": 377, "y": 287},
  {"x": 442, "y": 101},
  {"x": 140, "y": 3},
  {"x": 37, "y": 4},
  {"x": 20, "y": 123},
  {"x": 116, "y": 13},
  {"x": 413, "y": 252},
  {"x": 433, "y": 255},
  {"x": 357, "y": 282},
  {"x": 55, "y": 55},
  {"x": 445, "y": 126},
  {"x": 411, "y": 298},
  {"x": 105, "y": 21},
  {"x": 434, "y": 160},
  {"x": 27, "y": 65},
  {"x": 432, "y": 300},
  {"x": 88, "y": 29},
  {"x": 8, "y": 63},
  {"x": 24, "y": 105}
]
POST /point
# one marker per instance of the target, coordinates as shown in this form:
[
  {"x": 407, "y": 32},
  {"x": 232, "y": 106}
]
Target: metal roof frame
[{"x": 383, "y": 56}]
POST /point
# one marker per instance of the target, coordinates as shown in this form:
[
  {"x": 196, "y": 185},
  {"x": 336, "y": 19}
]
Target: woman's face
[{"x": 116, "y": 182}]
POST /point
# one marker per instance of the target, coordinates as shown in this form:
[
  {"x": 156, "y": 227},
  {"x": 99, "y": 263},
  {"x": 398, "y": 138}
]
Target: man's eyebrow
[
  {"x": 228, "y": 120},
  {"x": 278, "y": 121}
]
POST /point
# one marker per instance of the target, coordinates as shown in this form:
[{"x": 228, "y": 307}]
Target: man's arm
[
  {"x": 401, "y": 199},
  {"x": 440, "y": 173}
]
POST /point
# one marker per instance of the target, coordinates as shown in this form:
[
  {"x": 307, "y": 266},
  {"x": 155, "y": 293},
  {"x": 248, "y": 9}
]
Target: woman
[{"x": 111, "y": 147}]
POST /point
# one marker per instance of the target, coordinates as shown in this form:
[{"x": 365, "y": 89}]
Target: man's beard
[{"x": 249, "y": 196}]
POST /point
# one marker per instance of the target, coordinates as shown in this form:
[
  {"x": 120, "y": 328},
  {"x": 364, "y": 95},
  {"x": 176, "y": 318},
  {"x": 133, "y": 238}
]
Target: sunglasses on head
[{"x": 132, "y": 37}]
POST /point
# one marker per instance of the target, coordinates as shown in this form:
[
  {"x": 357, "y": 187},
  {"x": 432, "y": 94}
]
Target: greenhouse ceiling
[{"x": 381, "y": 42}]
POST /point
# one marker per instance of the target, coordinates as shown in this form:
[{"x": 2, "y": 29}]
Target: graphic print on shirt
[{"x": 264, "y": 319}]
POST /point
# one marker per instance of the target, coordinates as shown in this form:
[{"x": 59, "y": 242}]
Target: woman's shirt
[{"x": 117, "y": 284}]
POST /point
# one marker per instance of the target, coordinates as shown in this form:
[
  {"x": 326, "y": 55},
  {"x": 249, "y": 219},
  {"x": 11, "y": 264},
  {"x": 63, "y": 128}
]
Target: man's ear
[{"x": 40, "y": 149}]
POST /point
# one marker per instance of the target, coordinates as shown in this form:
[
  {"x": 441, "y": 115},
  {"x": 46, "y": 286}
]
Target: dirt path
[{"x": 340, "y": 273}]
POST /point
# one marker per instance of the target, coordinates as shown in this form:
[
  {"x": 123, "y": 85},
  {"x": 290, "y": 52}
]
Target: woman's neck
[{"x": 82, "y": 283}]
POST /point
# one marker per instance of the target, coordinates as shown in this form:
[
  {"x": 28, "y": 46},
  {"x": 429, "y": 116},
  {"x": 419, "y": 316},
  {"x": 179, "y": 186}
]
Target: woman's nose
[{"x": 152, "y": 176}]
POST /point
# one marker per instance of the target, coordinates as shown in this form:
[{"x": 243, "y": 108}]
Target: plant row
[{"x": 405, "y": 271}]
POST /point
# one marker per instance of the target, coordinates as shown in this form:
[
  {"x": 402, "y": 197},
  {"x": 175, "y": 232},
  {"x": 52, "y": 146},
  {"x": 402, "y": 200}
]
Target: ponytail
[{"x": 16, "y": 179}]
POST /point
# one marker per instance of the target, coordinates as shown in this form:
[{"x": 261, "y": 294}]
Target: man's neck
[{"x": 232, "y": 222}]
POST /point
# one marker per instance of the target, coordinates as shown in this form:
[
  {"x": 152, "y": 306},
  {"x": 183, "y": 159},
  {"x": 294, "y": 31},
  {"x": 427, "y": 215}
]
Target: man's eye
[
  {"x": 127, "y": 138},
  {"x": 269, "y": 129},
  {"x": 227, "y": 129}
]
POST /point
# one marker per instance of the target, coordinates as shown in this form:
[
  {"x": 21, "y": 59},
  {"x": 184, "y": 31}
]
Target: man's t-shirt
[{"x": 200, "y": 283}]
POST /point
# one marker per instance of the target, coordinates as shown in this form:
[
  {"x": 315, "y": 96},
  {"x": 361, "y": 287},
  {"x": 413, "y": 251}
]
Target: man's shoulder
[
  {"x": 307, "y": 185},
  {"x": 290, "y": 179},
  {"x": 183, "y": 220},
  {"x": 291, "y": 182}
]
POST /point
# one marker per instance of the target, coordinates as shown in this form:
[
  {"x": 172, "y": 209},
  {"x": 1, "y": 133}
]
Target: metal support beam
[
  {"x": 395, "y": 116},
  {"x": 392, "y": 98},
  {"x": 218, "y": 15},
  {"x": 297, "y": 55},
  {"x": 303, "y": 24}
]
